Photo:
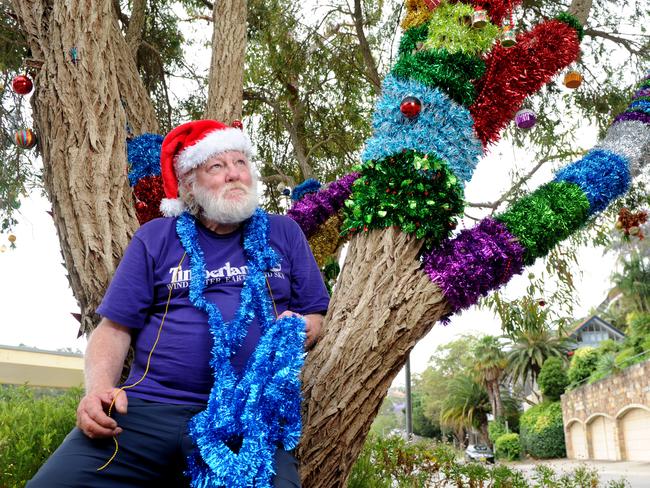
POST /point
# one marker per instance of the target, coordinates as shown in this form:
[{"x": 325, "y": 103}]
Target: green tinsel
[
  {"x": 572, "y": 21},
  {"x": 411, "y": 38},
  {"x": 545, "y": 217},
  {"x": 410, "y": 190},
  {"x": 450, "y": 28},
  {"x": 451, "y": 72}
]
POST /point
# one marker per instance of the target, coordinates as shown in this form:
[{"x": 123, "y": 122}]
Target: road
[{"x": 636, "y": 473}]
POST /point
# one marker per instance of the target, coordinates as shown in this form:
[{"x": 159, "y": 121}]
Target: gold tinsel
[
  {"x": 417, "y": 13},
  {"x": 326, "y": 241}
]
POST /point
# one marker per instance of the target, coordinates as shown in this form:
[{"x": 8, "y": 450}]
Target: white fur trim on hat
[
  {"x": 172, "y": 207},
  {"x": 215, "y": 142}
]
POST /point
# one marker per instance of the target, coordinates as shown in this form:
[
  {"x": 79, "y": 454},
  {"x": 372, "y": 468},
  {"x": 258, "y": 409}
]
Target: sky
[{"x": 37, "y": 301}]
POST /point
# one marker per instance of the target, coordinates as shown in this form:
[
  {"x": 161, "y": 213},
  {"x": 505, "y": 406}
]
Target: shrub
[
  {"x": 553, "y": 379},
  {"x": 583, "y": 363},
  {"x": 496, "y": 428},
  {"x": 628, "y": 357},
  {"x": 31, "y": 427},
  {"x": 541, "y": 431},
  {"x": 396, "y": 463},
  {"x": 508, "y": 447},
  {"x": 605, "y": 367}
]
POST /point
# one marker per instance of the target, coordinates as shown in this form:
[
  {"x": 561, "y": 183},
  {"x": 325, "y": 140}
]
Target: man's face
[{"x": 225, "y": 188}]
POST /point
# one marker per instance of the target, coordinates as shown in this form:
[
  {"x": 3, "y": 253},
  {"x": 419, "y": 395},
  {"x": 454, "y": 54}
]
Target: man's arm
[{"x": 104, "y": 359}]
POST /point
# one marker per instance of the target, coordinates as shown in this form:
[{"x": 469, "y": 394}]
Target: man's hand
[
  {"x": 313, "y": 322},
  {"x": 91, "y": 413}
]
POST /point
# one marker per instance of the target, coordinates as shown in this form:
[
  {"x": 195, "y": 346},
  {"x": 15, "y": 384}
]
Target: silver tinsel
[{"x": 631, "y": 139}]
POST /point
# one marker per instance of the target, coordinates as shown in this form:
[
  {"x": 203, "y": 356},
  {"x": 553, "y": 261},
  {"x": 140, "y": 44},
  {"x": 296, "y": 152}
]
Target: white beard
[{"x": 223, "y": 210}]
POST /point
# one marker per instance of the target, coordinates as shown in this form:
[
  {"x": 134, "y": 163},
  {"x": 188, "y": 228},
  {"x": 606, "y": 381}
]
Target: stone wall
[{"x": 610, "y": 398}]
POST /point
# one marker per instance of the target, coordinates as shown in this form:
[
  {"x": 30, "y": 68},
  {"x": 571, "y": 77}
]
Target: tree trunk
[
  {"x": 581, "y": 9},
  {"x": 80, "y": 114},
  {"x": 225, "y": 90},
  {"x": 498, "y": 404},
  {"x": 382, "y": 306}
]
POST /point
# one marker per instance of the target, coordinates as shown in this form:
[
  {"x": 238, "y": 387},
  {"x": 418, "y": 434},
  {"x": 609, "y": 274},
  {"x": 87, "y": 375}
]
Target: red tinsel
[
  {"x": 498, "y": 10},
  {"x": 514, "y": 73},
  {"x": 148, "y": 193}
]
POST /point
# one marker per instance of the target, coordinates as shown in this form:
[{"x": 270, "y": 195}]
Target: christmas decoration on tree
[
  {"x": 572, "y": 79},
  {"x": 12, "y": 241},
  {"x": 310, "y": 185},
  {"x": 22, "y": 85},
  {"x": 525, "y": 118},
  {"x": 630, "y": 223},
  {"x": 143, "y": 154},
  {"x": 25, "y": 138}
]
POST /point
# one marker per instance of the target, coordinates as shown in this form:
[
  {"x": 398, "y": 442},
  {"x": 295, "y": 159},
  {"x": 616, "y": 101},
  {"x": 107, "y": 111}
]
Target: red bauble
[
  {"x": 410, "y": 107},
  {"x": 22, "y": 85},
  {"x": 140, "y": 205},
  {"x": 237, "y": 124}
]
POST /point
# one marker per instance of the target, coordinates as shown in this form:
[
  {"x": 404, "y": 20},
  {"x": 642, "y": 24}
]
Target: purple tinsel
[
  {"x": 315, "y": 208},
  {"x": 476, "y": 261},
  {"x": 643, "y": 92},
  {"x": 640, "y": 116}
]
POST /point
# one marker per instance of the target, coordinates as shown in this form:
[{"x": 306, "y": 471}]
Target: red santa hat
[{"x": 188, "y": 146}]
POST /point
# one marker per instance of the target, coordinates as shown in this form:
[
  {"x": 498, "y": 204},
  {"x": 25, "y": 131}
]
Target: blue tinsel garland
[
  {"x": 262, "y": 408},
  {"x": 601, "y": 174},
  {"x": 143, "y": 153},
  {"x": 310, "y": 185},
  {"x": 443, "y": 127}
]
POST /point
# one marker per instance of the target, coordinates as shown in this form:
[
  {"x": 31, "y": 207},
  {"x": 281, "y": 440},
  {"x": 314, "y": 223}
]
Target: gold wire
[{"x": 146, "y": 370}]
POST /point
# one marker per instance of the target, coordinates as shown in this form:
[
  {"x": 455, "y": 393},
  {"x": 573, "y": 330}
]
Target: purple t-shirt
[{"x": 136, "y": 298}]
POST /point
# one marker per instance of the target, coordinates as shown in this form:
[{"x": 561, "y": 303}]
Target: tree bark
[
  {"x": 225, "y": 90},
  {"x": 383, "y": 304},
  {"x": 581, "y": 9},
  {"x": 80, "y": 113}
]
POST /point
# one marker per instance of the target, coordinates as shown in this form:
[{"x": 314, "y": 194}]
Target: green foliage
[
  {"x": 496, "y": 428},
  {"x": 605, "y": 367},
  {"x": 542, "y": 431},
  {"x": 423, "y": 426},
  {"x": 553, "y": 378},
  {"x": 395, "y": 463},
  {"x": 508, "y": 447},
  {"x": 466, "y": 404},
  {"x": 31, "y": 428},
  {"x": 583, "y": 363}
]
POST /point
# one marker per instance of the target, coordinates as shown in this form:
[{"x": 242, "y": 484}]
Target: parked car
[{"x": 480, "y": 453}]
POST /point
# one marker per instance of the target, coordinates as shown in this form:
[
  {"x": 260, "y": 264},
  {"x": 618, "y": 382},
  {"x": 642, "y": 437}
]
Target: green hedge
[
  {"x": 553, "y": 379},
  {"x": 508, "y": 447},
  {"x": 542, "y": 431},
  {"x": 32, "y": 425},
  {"x": 583, "y": 363}
]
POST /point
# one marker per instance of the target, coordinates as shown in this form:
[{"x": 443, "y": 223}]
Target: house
[
  {"x": 593, "y": 331},
  {"x": 37, "y": 367}
]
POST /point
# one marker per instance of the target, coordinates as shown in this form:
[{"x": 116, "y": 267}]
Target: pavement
[{"x": 637, "y": 474}]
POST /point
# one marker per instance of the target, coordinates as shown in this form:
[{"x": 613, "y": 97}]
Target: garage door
[
  {"x": 578, "y": 441},
  {"x": 602, "y": 439},
  {"x": 636, "y": 435}
]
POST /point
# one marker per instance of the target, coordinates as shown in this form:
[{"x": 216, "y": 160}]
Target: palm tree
[
  {"x": 466, "y": 405},
  {"x": 488, "y": 369},
  {"x": 530, "y": 348}
]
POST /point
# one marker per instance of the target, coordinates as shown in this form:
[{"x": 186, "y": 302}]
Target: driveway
[{"x": 636, "y": 473}]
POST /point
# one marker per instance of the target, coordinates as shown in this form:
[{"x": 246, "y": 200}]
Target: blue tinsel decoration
[
  {"x": 310, "y": 185},
  {"x": 262, "y": 409},
  {"x": 602, "y": 175},
  {"x": 640, "y": 105},
  {"x": 442, "y": 127},
  {"x": 143, "y": 153}
]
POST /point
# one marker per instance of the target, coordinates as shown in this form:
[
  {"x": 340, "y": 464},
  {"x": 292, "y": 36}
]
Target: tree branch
[
  {"x": 371, "y": 65},
  {"x": 495, "y": 205},
  {"x": 626, "y": 43},
  {"x": 136, "y": 26}
]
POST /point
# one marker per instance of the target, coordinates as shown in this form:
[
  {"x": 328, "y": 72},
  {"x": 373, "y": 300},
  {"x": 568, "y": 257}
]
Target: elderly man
[{"x": 217, "y": 300}]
